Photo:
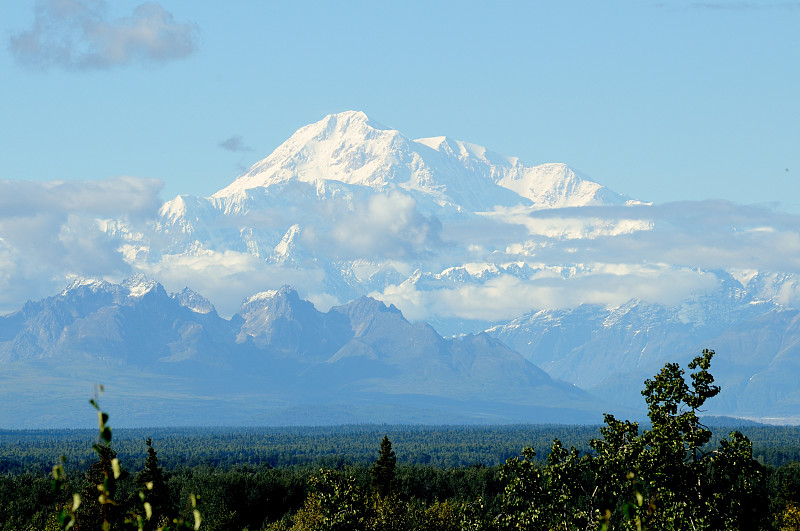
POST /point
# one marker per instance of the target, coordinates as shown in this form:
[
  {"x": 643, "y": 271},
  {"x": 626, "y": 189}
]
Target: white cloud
[
  {"x": 708, "y": 234},
  {"x": 674, "y": 259},
  {"x": 118, "y": 196},
  {"x": 570, "y": 224},
  {"x": 660, "y": 254},
  {"x": 655, "y": 253},
  {"x": 385, "y": 225},
  {"x": 49, "y": 232},
  {"x": 79, "y": 35},
  {"x": 506, "y": 297},
  {"x": 227, "y": 277}
]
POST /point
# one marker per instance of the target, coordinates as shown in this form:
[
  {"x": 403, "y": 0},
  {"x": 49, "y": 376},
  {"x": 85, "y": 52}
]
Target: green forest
[{"x": 677, "y": 471}]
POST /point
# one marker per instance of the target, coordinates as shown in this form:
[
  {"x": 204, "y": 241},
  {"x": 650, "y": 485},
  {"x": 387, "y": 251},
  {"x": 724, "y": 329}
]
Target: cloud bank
[
  {"x": 79, "y": 35},
  {"x": 506, "y": 297},
  {"x": 497, "y": 267},
  {"x": 608, "y": 255},
  {"x": 53, "y": 231},
  {"x": 489, "y": 267},
  {"x": 303, "y": 245}
]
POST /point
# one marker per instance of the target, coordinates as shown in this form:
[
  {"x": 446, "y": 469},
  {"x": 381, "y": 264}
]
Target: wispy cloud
[
  {"x": 675, "y": 250},
  {"x": 506, "y": 297},
  {"x": 235, "y": 143},
  {"x": 79, "y": 35},
  {"x": 384, "y": 226},
  {"x": 107, "y": 197},
  {"x": 227, "y": 277}
]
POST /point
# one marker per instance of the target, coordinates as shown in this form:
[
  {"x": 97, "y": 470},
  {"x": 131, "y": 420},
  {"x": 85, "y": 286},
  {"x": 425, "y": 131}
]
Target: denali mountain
[
  {"x": 361, "y": 209},
  {"x": 594, "y": 288},
  {"x": 351, "y": 150}
]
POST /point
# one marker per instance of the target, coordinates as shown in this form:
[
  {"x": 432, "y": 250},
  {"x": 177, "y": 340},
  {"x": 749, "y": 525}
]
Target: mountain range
[
  {"x": 433, "y": 280},
  {"x": 171, "y": 359}
]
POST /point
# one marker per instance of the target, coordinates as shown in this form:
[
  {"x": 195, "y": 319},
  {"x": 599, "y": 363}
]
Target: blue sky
[{"x": 659, "y": 101}]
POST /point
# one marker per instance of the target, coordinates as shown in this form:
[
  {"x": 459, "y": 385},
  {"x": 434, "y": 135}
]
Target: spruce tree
[
  {"x": 382, "y": 473},
  {"x": 151, "y": 481}
]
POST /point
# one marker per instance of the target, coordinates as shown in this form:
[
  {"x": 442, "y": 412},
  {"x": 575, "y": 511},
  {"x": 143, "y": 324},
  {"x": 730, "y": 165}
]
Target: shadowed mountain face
[
  {"x": 289, "y": 327},
  {"x": 168, "y": 359},
  {"x": 757, "y": 343},
  {"x": 134, "y": 323},
  {"x": 171, "y": 359}
]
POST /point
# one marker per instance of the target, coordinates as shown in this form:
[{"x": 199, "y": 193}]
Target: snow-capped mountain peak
[
  {"x": 92, "y": 284},
  {"x": 260, "y": 298},
  {"x": 346, "y": 147},
  {"x": 346, "y": 191},
  {"x": 351, "y": 149},
  {"x": 139, "y": 285},
  {"x": 194, "y": 301}
]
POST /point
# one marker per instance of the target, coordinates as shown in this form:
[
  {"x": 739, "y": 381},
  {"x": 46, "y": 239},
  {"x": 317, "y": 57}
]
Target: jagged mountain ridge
[
  {"x": 134, "y": 322},
  {"x": 757, "y": 342},
  {"x": 363, "y": 360}
]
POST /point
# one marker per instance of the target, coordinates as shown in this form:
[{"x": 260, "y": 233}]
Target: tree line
[{"x": 668, "y": 475}]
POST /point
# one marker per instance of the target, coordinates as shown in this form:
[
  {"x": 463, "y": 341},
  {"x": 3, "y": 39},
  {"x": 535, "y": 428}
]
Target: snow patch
[
  {"x": 261, "y": 296},
  {"x": 94, "y": 285},
  {"x": 138, "y": 285},
  {"x": 743, "y": 276}
]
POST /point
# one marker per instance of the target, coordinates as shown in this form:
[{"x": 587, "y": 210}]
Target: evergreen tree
[
  {"x": 152, "y": 483},
  {"x": 383, "y": 473}
]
